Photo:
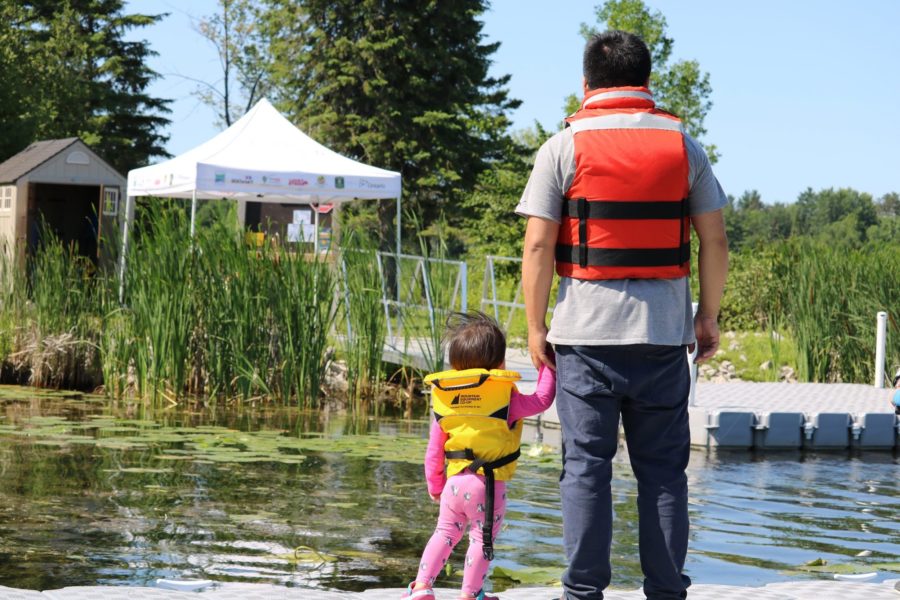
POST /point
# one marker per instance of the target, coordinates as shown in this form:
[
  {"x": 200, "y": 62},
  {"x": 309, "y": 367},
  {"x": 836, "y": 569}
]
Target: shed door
[{"x": 107, "y": 232}]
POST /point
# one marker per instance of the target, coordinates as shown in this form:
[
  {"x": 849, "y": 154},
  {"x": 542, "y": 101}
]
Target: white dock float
[
  {"x": 773, "y": 416},
  {"x": 790, "y": 590}
]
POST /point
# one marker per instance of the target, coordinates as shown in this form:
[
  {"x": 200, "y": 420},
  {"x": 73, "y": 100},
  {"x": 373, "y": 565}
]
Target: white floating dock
[
  {"x": 782, "y": 416},
  {"x": 793, "y": 590}
]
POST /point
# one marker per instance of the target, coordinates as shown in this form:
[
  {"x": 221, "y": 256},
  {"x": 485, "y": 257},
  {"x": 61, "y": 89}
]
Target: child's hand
[{"x": 435, "y": 498}]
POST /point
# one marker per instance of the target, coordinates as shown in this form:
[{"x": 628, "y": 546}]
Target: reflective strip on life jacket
[
  {"x": 638, "y": 120},
  {"x": 625, "y": 213}
]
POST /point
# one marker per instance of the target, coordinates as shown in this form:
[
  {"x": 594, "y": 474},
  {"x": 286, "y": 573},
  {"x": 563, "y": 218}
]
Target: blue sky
[{"x": 803, "y": 91}]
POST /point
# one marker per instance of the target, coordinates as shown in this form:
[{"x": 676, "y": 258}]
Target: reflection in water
[{"x": 94, "y": 496}]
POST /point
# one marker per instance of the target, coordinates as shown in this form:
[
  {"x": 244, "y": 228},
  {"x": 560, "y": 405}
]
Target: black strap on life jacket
[
  {"x": 584, "y": 210},
  {"x": 487, "y": 529}
]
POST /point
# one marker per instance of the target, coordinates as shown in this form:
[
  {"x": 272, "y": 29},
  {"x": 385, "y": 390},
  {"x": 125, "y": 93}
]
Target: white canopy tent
[{"x": 261, "y": 158}]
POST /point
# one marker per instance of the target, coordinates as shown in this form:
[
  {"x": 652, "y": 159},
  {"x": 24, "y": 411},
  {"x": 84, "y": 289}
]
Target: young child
[{"x": 476, "y": 432}]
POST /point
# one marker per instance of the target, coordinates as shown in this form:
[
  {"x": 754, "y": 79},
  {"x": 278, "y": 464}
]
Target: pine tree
[
  {"x": 399, "y": 84},
  {"x": 82, "y": 78}
]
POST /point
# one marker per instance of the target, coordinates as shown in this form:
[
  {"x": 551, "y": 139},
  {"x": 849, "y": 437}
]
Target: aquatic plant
[
  {"x": 828, "y": 297},
  {"x": 364, "y": 328}
]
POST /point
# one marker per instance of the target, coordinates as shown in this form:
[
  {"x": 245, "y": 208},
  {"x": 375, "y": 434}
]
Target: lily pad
[{"x": 529, "y": 576}]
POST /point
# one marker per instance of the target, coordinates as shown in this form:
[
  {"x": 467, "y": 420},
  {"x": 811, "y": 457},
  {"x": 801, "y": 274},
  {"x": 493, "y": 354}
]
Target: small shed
[{"x": 65, "y": 185}]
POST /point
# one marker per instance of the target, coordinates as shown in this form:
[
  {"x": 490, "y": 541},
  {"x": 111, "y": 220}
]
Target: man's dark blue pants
[{"x": 649, "y": 387}]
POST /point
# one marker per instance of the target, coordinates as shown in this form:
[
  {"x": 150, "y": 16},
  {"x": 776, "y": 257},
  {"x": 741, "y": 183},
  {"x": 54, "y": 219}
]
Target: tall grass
[
  {"x": 364, "y": 320},
  {"x": 221, "y": 319},
  {"x": 54, "y": 302},
  {"x": 829, "y": 297},
  {"x": 210, "y": 317}
]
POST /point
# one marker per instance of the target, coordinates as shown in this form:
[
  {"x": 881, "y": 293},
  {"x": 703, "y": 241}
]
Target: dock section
[
  {"x": 791, "y": 590},
  {"x": 772, "y": 416}
]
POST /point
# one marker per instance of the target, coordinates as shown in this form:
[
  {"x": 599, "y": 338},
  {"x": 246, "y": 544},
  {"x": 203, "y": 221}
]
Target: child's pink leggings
[{"x": 462, "y": 504}]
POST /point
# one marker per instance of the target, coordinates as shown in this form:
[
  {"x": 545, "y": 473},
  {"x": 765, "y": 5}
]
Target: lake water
[{"x": 92, "y": 494}]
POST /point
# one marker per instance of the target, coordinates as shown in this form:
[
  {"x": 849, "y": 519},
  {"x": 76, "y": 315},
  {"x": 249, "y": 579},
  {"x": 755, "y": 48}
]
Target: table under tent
[{"x": 263, "y": 158}]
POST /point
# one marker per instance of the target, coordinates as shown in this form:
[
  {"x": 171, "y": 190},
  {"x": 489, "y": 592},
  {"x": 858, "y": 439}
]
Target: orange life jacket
[{"x": 625, "y": 214}]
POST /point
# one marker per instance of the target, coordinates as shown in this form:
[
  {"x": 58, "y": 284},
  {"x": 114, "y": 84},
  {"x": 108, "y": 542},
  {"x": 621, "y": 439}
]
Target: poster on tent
[
  {"x": 302, "y": 216},
  {"x": 301, "y": 232}
]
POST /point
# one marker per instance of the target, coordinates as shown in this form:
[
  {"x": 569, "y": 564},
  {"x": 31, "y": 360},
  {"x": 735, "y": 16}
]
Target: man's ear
[{"x": 584, "y": 85}]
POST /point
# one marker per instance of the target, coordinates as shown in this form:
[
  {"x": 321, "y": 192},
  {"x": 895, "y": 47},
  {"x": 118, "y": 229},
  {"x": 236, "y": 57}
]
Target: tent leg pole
[
  {"x": 397, "y": 244},
  {"x": 316, "y": 240},
  {"x": 193, "y": 212},
  {"x": 129, "y": 208}
]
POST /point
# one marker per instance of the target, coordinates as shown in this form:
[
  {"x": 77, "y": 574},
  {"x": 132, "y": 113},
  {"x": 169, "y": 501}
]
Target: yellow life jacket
[{"x": 472, "y": 407}]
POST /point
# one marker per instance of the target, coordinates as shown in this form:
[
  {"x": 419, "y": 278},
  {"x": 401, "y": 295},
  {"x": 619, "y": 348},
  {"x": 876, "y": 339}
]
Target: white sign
[{"x": 302, "y": 217}]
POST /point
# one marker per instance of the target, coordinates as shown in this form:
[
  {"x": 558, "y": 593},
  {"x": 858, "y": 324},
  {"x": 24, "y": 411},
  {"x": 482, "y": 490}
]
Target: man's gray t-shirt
[{"x": 616, "y": 311}]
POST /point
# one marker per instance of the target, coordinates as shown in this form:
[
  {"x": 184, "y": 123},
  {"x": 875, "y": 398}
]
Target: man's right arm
[{"x": 537, "y": 277}]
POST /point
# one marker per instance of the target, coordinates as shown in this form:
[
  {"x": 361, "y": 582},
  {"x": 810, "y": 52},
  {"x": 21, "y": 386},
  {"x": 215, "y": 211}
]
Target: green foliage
[
  {"x": 234, "y": 32},
  {"x": 843, "y": 217},
  {"x": 363, "y": 315},
  {"x": 402, "y": 84},
  {"x": 212, "y": 317},
  {"x": 749, "y": 291},
  {"x": 74, "y": 74},
  {"x": 680, "y": 87},
  {"x": 828, "y": 297},
  {"x": 836, "y": 216}
]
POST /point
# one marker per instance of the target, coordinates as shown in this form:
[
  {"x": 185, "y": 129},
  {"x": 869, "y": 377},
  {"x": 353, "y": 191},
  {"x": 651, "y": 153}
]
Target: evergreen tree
[
  {"x": 82, "y": 78},
  {"x": 399, "y": 84},
  {"x": 15, "y": 75}
]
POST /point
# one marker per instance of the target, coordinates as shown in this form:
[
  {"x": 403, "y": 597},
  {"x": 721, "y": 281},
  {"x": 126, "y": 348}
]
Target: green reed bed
[
  {"x": 210, "y": 317},
  {"x": 364, "y": 324},
  {"x": 220, "y": 319},
  {"x": 49, "y": 317},
  {"x": 828, "y": 298}
]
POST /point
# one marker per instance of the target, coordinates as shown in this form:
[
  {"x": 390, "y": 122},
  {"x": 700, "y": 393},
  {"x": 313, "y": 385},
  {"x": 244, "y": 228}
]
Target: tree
[
  {"x": 235, "y": 34},
  {"x": 750, "y": 200},
  {"x": 679, "y": 87},
  {"x": 888, "y": 205},
  {"x": 400, "y": 84},
  {"x": 14, "y": 71},
  {"x": 833, "y": 213},
  {"x": 80, "y": 77}
]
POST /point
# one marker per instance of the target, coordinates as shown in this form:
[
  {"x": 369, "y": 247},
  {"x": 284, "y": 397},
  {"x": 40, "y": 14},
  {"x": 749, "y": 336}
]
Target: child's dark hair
[{"x": 475, "y": 341}]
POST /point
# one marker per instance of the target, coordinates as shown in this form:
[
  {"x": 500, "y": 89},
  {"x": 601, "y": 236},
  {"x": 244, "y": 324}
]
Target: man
[{"x": 611, "y": 200}]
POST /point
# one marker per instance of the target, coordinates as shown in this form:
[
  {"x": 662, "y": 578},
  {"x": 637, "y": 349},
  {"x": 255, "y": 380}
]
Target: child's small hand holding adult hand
[{"x": 435, "y": 497}]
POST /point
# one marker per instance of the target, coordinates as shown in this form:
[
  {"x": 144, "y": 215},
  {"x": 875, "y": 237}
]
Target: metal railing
[
  {"x": 489, "y": 290},
  {"x": 420, "y": 285}
]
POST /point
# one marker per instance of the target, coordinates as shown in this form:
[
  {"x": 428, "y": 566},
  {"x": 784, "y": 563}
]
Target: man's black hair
[{"x": 616, "y": 58}]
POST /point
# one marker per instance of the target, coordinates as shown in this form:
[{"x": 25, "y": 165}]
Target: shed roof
[{"x": 31, "y": 158}]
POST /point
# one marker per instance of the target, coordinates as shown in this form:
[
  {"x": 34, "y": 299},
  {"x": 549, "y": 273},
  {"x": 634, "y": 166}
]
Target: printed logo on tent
[
  {"x": 298, "y": 182},
  {"x": 272, "y": 180},
  {"x": 371, "y": 185},
  {"x": 245, "y": 180},
  {"x": 220, "y": 177},
  {"x": 339, "y": 183},
  {"x": 320, "y": 180}
]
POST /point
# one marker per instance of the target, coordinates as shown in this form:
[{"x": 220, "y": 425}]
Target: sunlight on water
[{"x": 90, "y": 495}]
